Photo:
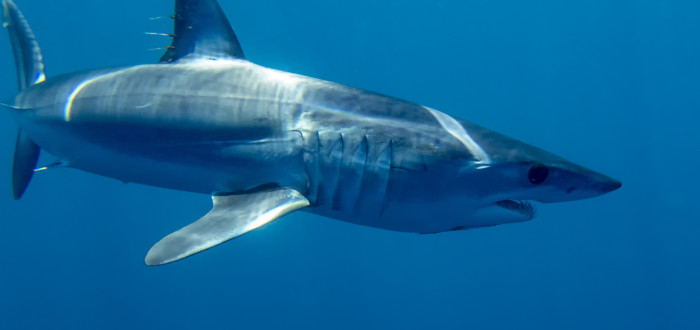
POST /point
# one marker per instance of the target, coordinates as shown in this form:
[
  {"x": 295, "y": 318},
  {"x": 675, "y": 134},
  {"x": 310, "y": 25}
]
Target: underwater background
[{"x": 610, "y": 84}]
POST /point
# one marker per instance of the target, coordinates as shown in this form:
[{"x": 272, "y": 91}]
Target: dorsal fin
[{"x": 202, "y": 31}]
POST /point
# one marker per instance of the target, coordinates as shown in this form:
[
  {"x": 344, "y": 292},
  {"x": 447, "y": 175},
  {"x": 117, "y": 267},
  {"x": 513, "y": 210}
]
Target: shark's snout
[
  {"x": 596, "y": 183},
  {"x": 609, "y": 185},
  {"x": 574, "y": 183}
]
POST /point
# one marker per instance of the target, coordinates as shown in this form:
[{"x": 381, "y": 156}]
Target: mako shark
[{"x": 264, "y": 143}]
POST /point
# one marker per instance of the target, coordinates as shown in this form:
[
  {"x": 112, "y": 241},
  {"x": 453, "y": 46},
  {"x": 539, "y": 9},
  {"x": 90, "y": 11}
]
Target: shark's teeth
[{"x": 522, "y": 207}]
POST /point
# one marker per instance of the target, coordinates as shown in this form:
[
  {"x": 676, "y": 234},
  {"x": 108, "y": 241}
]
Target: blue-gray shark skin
[{"x": 265, "y": 143}]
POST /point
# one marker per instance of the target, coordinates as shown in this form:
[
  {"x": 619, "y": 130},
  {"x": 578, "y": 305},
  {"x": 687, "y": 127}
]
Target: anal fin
[
  {"x": 24, "y": 163},
  {"x": 230, "y": 217}
]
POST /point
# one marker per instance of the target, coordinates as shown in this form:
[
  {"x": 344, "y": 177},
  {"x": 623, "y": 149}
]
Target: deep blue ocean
[{"x": 610, "y": 84}]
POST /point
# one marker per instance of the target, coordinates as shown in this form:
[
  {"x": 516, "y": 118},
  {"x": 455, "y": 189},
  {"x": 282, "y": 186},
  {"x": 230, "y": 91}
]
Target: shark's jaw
[{"x": 520, "y": 207}]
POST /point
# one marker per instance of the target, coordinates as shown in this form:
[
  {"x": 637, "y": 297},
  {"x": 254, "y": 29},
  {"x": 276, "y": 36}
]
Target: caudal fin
[
  {"x": 30, "y": 71},
  {"x": 26, "y": 157}
]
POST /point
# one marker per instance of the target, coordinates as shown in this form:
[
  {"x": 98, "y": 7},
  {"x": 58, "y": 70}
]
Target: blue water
[{"x": 611, "y": 84}]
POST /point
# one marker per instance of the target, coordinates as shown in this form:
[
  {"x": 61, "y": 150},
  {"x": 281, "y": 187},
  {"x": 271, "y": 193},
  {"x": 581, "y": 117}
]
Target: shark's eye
[{"x": 538, "y": 173}]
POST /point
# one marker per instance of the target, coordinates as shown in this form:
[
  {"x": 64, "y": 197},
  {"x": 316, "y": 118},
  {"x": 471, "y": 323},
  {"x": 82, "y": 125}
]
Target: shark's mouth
[{"x": 523, "y": 208}]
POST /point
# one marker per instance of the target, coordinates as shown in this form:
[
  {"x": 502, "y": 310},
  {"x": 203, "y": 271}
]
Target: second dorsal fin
[{"x": 202, "y": 31}]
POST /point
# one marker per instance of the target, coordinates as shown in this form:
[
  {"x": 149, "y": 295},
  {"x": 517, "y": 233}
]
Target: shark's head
[
  {"x": 518, "y": 173},
  {"x": 480, "y": 178}
]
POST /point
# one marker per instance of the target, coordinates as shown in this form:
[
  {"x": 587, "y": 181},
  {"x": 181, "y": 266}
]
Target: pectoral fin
[{"x": 231, "y": 216}]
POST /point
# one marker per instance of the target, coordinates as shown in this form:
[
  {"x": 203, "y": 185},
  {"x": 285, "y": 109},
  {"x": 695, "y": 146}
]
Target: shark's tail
[{"x": 30, "y": 71}]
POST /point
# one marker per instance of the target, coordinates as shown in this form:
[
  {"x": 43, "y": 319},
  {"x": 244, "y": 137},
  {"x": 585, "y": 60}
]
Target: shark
[{"x": 264, "y": 143}]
